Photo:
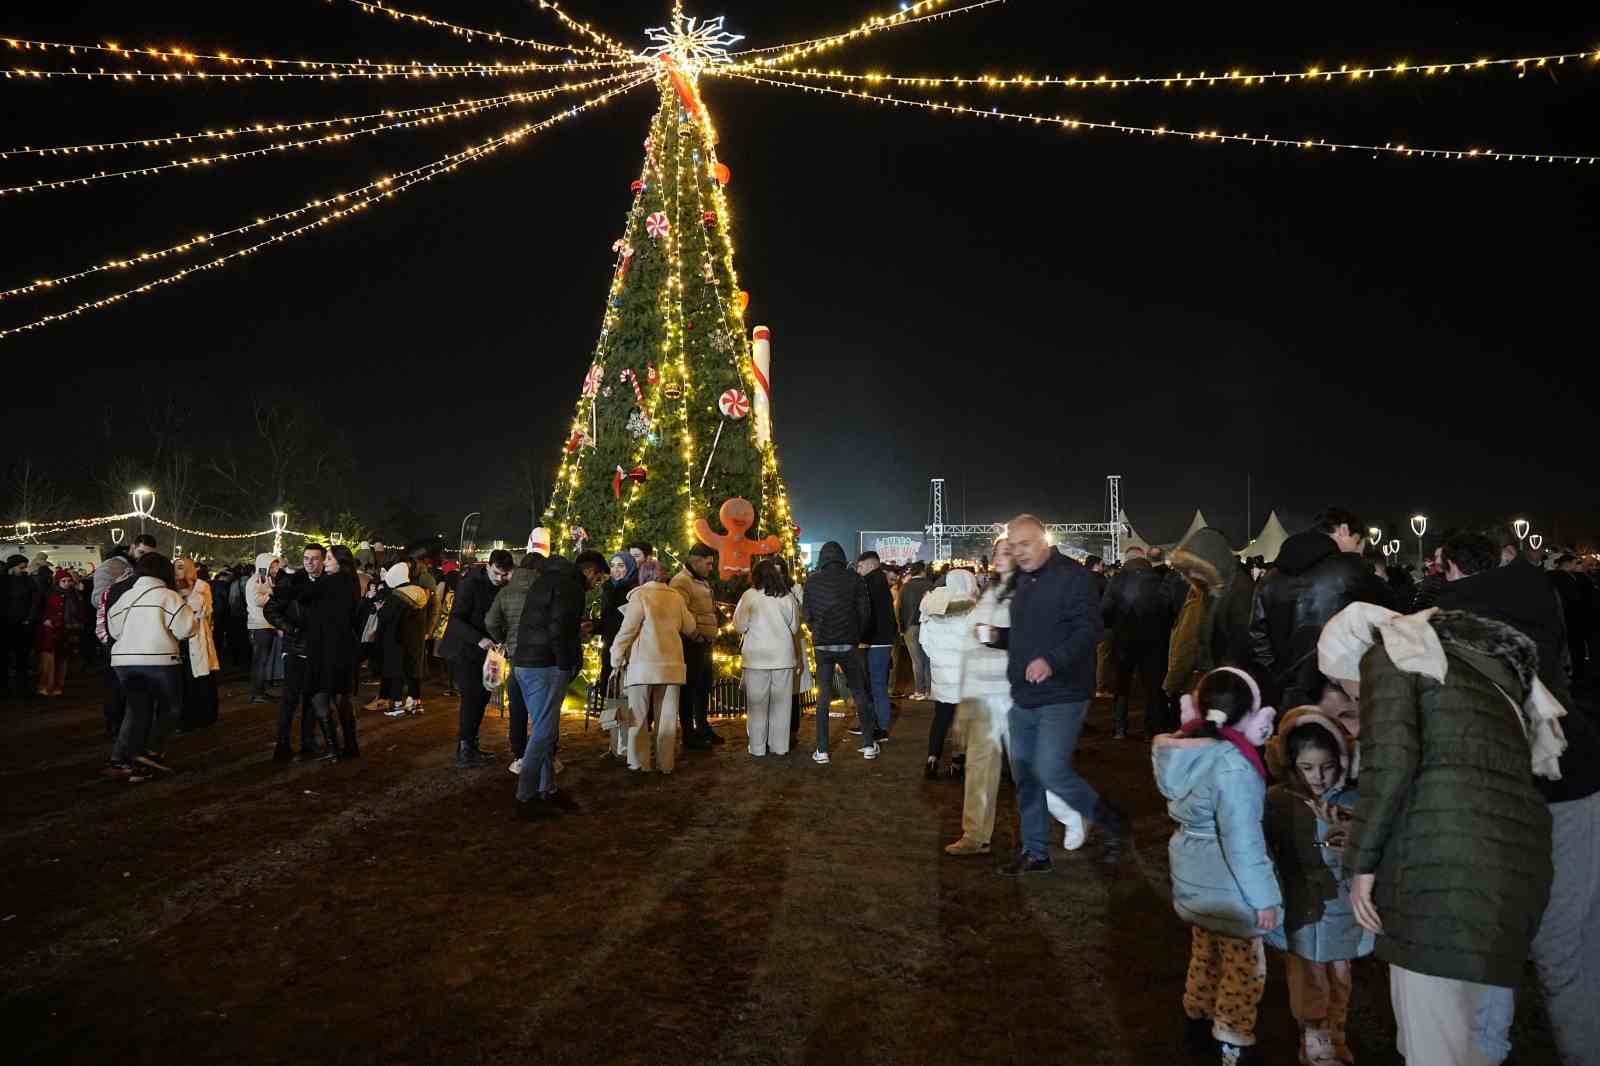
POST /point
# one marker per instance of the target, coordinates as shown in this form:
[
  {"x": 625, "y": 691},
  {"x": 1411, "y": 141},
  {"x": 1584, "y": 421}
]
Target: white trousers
[
  {"x": 663, "y": 700},
  {"x": 982, "y": 721},
  {"x": 1443, "y": 1022},
  {"x": 767, "y": 702}
]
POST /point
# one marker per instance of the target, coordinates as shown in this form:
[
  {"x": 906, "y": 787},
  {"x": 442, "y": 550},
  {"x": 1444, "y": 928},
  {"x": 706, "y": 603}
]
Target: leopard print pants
[{"x": 1227, "y": 977}]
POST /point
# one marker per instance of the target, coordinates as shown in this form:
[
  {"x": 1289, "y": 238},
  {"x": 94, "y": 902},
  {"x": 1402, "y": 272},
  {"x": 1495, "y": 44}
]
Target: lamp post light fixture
[
  {"x": 1394, "y": 547},
  {"x": 1520, "y": 528},
  {"x": 1374, "y": 535},
  {"x": 144, "y": 505},
  {"x": 24, "y": 530},
  {"x": 116, "y": 536},
  {"x": 280, "y": 522},
  {"x": 1536, "y": 542},
  {"x": 1419, "y": 526},
  {"x": 335, "y": 539}
]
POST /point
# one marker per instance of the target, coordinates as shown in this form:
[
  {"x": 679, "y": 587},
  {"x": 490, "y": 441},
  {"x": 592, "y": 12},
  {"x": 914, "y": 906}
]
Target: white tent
[
  {"x": 1196, "y": 526},
  {"x": 1131, "y": 539},
  {"x": 1269, "y": 541}
]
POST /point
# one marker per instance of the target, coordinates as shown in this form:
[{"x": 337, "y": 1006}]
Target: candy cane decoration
[
  {"x": 761, "y": 366},
  {"x": 633, "y": 379}
]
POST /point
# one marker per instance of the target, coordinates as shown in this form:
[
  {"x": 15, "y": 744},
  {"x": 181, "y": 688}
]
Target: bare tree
[{"x": 33, "y": 496}]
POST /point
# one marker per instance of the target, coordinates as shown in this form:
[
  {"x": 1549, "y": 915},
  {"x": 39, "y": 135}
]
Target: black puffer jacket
[
  {"x": 1311, "y": 582},
  {"x": 548, "y": 632},
  {"x": 1136, "y": 607},
  {"x": 836, "y": 601},
  {"x": 882, "y": 629},
  {"x": 468, "y": 613}
]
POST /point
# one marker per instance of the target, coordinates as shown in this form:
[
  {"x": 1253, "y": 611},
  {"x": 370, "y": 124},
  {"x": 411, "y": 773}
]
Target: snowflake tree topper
[{"x": 692, "y": 44}]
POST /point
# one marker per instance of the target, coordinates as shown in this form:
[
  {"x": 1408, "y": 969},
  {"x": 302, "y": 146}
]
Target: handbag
[
  {"x": 494, "y": 668},
  {"x": 614, "y": 709},
  {"x": 369, "y": 629}
]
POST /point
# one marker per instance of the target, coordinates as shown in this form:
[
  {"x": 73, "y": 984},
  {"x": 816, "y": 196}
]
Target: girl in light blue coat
[{"x": 1223, "y": 882}]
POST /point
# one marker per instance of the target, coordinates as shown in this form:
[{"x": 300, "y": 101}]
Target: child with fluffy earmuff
[
  {"x": 1308, "y": 824},
  {"x": 1223, "y": 882}
]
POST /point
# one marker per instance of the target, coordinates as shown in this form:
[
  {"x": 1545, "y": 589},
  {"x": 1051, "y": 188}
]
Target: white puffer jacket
[
  {"x": 147, "y": 622},
  {"x": 947, "y": 636},
  {"x": 985, "y": 673}
]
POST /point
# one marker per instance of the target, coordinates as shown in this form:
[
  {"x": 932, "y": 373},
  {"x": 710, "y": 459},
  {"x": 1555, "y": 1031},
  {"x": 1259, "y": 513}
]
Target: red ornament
[
  {"x": 637, "y": 187},
  {"x": 638, "y": 475},
  {"x": 734, "y": 404},
  {"x": 709, "y": 219},
  {"x": 650, "y": 375},
  {"x": 575, "y": 441},
  {"x": 616, "y": 484}
]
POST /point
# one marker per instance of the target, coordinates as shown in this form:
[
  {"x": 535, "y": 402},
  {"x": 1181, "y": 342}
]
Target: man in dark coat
[
  {"x": 1139, "y": 611},
  {"x": 466, "y": 644},
  {"x": 1055, "y": 625},
  {"x": 550, "y": 638},
  {"x": 1575, "y": 592},
  {"x": 19, "y": 603},
  {"x": 1521, "y": 596},
  {"x": 837, "y": 610},
  {"x": 879, "y": 637},
  {"x": 910, "y": 610},
  {"x": 316, "y": 612},
  {"x": 1317, "y": 574}
]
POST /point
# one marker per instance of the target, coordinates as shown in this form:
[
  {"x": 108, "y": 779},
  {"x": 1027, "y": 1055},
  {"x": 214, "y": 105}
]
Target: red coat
[{"x": 63, "y": 615}]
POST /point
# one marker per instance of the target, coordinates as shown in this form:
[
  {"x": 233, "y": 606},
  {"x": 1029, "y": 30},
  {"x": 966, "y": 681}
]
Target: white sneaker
[
  {"x": 515, "y": 767},
  {"x": 835, "y": 714},
  {"x": 1076, "y": 833},
  {"x": 397, "y": 711},
  {"x": 820, "y": 758},
  {"x": 870, "y": 751}
]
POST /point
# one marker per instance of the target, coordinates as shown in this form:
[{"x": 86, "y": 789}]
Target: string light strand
[
  {"x": 195, "y": 162},
  {"x": 470, "y": 32},
  {"x": 922, "y": 12},
  {"x": 328, "y": 68},
  {"x": 585, "y": 30},
  {"x": 384, "y": 189},
  {"x": 1343, "y": 72},
  {"x": 1257, "y": 140}
]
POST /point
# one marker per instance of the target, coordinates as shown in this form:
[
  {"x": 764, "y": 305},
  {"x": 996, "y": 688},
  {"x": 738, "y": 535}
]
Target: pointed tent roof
[
  {"x": 1269, "y": 541},
  {"x": 1132, "y": 540},
  {"x": 1195, "y": 526}
]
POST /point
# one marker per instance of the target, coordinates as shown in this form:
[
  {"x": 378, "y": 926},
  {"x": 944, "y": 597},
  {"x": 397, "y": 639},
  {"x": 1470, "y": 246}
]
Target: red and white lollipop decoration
[{"x": 733, "y": 404}]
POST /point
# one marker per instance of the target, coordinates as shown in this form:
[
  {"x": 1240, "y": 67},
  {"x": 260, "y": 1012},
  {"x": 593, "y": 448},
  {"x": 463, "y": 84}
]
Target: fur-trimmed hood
[
  {"x": 1483, "y": 641},
  {"x": 1277, "y": 749},
  {"x": 1207, "y": 559}
]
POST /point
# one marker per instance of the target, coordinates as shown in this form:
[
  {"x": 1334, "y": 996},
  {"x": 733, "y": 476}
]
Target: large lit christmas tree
[{"x": 666, "y": 428}]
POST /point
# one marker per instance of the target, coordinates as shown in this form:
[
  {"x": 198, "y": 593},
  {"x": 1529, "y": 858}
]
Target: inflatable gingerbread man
[{"x": 735, "y": 550}]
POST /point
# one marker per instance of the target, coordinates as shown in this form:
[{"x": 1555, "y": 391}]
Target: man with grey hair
[{"x": 1050, "y": 653}]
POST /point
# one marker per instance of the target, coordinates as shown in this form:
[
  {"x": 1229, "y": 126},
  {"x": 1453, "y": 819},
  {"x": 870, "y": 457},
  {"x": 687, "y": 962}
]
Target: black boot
[
  {"x": 468, "y": 757},
  {"x": 330, "y": 743},
  {"x": 1113, "y": 825},
  {"x": 347, "y": 726}
]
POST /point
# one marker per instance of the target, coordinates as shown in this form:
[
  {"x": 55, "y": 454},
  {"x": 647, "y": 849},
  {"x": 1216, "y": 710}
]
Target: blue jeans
[
  {"x": 1042, "y": 743},
  {"x": 878, "y": 662},
  {"x": 155, "y": 699},
  {"x": 543, "y": 689}
]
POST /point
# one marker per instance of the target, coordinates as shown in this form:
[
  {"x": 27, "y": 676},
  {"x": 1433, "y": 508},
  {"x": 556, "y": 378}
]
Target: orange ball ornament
[
  {"x": 724, "y": 175},
  {"x": 744, "y": 302}
]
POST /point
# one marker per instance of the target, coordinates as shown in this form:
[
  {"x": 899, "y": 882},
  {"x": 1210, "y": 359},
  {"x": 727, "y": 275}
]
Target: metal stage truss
[{"x": 941, "y": 533}]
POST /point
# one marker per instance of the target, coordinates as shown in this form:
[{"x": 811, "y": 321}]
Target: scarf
[
  {"x": 1234, "y": 737},
  {"x": 631, "y": 563}
]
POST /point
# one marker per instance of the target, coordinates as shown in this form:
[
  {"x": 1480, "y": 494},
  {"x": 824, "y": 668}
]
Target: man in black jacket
[
  {"x": 837, "y": 610},
  {"x": 316, "y": 614},
  {"x": 1317, "y": 574},
  {"x": 550, "y": 637},
  {"x": 1139, "y": 613},
  {"x": 1521, "y": 596},
  {"x": 881, "y": 633},
  {"x": 465, "y": 644},
  {"x": 20, "y": 604},
  {"x": 1055, "y": 625}
]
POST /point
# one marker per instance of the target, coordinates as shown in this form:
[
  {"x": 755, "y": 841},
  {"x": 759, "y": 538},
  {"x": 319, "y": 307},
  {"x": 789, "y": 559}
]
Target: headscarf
[{"x": 628, "y": 561}]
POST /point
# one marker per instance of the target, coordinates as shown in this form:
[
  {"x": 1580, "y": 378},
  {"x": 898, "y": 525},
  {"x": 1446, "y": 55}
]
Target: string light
[
  {"x": 71, "y": 524},
  {"x": 584, "y": 29},
  {"x": 469, "y": 32},
  {"x": 921, "y": 12},
  {"x": 384, "y": 189},
  {"x": 328, "y": 68},
  {"x": 1203, "y": 78},
  {"x": 257, "y": 128},
  {"x": 1257, "y": 140},
  {"x": 462, "y": 111}
]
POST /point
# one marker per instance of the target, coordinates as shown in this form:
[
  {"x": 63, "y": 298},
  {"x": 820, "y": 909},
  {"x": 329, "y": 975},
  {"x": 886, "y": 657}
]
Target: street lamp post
[
  {"x": 280, "y": 522},
  {"x": 1520, "y": 528},
  {"x": 1374, "y": 535},
  {"x": 116, "y": 536},
  {"x": 1536, "y": 542},
  {"x": 1419, "y": 526},
  {"x": 144, "y": 505}
]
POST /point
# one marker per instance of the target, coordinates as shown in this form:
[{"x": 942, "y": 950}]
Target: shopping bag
[
  {"x": 494, "y": 668},
  {"x": 369, "y": 631},
  {"x": 614, "y": 710}
]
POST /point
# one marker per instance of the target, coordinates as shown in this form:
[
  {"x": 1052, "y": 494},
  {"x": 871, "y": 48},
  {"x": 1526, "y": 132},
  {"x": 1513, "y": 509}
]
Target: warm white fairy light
[{"x": 692, "y": 44}]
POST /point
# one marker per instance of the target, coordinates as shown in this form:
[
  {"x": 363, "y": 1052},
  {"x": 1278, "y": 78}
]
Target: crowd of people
[{"x": 1430, "y": 795}]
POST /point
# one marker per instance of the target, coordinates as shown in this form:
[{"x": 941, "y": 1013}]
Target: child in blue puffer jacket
[
  {"x": 1308, "y": 816},
  {"x": 1223, "y": 882}
]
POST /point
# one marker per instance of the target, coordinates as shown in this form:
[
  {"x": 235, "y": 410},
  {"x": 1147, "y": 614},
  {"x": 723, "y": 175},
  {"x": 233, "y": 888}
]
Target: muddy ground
[{"x": 391, "y": 910}]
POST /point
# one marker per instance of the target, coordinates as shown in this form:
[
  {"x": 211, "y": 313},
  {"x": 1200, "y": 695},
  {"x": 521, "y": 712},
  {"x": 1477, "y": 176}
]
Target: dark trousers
[
  {"x": 260, "y": 660},
  {"x": 696, "y": 687},
  {"x": 855, "y": 677},
  {"x": 294, "y": 683},
  {"x": 518, "y": 710},
  {"x": 467, "y": 669},
  {"x": 16, "y": 655},
  {"x": 1149, "y": 662},
  {"x": 943, "y": 715},
  {"x": 155, "y": 700},
  {"x": 116, "y": 698},
  {"x": 1578, "y": 646}
]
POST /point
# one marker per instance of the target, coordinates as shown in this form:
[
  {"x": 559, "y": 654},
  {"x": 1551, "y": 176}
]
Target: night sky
[{"x": 1017, "y": 309}]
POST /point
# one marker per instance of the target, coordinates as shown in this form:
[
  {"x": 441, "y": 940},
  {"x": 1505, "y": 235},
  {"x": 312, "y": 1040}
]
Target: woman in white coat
[
  {"x": 947, "y": 637},
  {"x": 985, "y": 705},
  {"x": 649, "y": 649},
  {"x": 199, "y": 652},
  {"x": 148, "y": 622},
  {"x": 768, "y": 617}
]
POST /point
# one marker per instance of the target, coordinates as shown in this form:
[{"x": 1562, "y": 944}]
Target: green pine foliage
[{"x": 673, "y": 313}]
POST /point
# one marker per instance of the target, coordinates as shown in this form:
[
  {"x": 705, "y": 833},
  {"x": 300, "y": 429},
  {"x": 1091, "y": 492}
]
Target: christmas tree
[{"x": 664, "y": 433}]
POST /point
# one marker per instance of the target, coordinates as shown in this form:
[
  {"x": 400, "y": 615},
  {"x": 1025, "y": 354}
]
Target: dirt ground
[{"x": 391, "y": 910}]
